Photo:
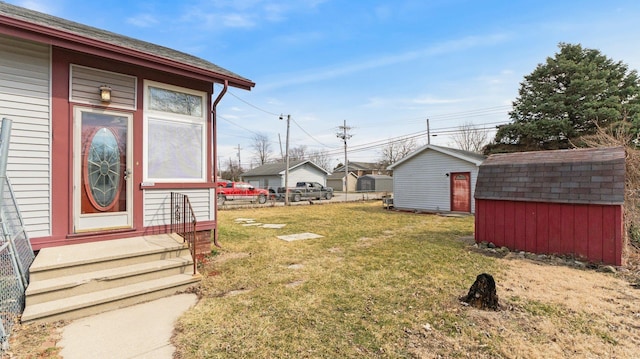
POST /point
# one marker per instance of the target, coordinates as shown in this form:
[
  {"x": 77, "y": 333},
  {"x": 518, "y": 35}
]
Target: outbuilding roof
[
  {"x": 358, "y": 166},
  {"x": 36, "y": 26},
  {"x": 278, "y": 168},
  {"x": 472, "y": 157},
  {"x": 588, "y": 175},
  {"x": 340, "y": 175}
]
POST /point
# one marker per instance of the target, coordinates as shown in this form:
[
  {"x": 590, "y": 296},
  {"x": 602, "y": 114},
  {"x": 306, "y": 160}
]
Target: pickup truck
[
  {"x": 241, "y": 190},
  {"x": 307, "y": 190}
]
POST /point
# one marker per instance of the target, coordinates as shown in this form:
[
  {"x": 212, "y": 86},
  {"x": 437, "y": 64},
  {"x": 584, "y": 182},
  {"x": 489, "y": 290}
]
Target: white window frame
[{"x": 150, "y": 115}]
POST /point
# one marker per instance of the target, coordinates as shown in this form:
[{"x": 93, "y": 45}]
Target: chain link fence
[
  {"x": 11, "y": 294},
  {"x": 336, "y": 197},
  {"x": 16, "y": 253}
]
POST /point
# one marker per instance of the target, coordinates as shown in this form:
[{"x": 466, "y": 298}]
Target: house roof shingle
[
  {"x": 358, "y": 166},
  {"x": 340, "y": 175},
  {"x": 278, "y": 168},
  {"x": 588, "y": 176},
  {"x": 12, "y": 16}
]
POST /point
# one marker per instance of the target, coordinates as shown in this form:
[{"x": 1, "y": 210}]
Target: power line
[
  {"x": 252, "y": 105},
  {"x": 435, "y": 117},
  {"x": 376, "y": 144},
  {"x": 448, "y": 116},
  {"x": 307, "y": 133},
  {"x": 235, "y": 124}
]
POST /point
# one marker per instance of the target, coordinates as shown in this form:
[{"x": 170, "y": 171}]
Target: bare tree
[
  {"x": 394, "y": 151},
  {"x": 470, "y": 138},
  {"x": 321, "y": 159},
  {"x": 298, "y": 153},
  {"x": 620, "y": 135},
  {"x": 232, "y": 171},
  {"x": 261, "y": 148}
]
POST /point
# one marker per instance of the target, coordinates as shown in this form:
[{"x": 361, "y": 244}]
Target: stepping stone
[
  {"x": 299, "y": 236},
  {"x": 276, "y": 226}
]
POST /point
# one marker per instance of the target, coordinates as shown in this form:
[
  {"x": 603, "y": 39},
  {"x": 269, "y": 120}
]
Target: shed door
[
  {"x": 460, "y": 191},
  {"x": 102, "y": 185}
]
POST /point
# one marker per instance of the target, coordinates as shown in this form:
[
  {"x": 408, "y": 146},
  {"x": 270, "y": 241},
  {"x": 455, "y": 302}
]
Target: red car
[{"x": 241, "y": 190}]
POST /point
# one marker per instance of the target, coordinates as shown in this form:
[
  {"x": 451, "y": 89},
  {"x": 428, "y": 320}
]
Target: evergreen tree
[{"x": 569, "y": 96}]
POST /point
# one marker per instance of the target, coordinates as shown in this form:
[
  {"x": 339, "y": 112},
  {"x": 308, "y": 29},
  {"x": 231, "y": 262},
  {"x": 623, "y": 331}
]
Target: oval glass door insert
[{"x": 103, "y": 169}]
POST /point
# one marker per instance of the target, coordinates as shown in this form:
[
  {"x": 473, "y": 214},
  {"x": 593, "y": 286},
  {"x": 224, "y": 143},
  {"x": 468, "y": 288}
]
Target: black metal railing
[{"x": 183, "y": 222}]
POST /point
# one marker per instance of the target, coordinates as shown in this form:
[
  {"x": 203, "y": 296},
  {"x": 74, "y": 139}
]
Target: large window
[{"x": 175, "y": 134}]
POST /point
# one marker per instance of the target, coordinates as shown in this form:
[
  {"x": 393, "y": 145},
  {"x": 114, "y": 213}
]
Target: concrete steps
[{"x": 78, "y": 280}]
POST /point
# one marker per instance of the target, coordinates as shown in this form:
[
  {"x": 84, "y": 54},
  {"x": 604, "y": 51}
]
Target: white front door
[{"x": 102, "y": 177}]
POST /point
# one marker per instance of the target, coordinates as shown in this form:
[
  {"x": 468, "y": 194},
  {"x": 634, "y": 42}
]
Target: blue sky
[{"x": 383, "y": 66}]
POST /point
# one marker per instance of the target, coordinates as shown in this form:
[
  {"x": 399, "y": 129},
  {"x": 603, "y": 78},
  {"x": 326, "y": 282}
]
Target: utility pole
[
  {"x": 239, "y": 162},
  {"x": 428, "y": 133},
  {"x": 280, "y": 142},
  {"x": 344, "y": 135},
  {"x": 286, "y": 160}
]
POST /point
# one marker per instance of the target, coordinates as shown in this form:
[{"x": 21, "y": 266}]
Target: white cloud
[
  {"x": 244, "y": 13},
  {"x": 44, "y": 6},
  {"x": 430, "y": 100},
  {"x": 238, "y": 20},
  {"x": 383, "y": 12},
  {"x": 275, "y": 12},
  {"x": 143, "y": 20},
  {"x": 377, "y": 60},
  {"x": 301, "y": 37},
  {"x": 413, "y": 102}
]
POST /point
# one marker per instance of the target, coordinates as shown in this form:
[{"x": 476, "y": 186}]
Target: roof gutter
[{"x": 214, "y": 132}]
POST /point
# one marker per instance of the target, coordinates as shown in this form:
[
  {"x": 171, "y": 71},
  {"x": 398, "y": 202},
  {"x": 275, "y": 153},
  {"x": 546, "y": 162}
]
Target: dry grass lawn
[{"x": 385, "y": 284}]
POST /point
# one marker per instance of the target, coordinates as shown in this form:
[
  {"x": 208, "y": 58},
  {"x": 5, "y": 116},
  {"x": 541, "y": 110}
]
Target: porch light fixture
[{"x": 105, "y": 93}]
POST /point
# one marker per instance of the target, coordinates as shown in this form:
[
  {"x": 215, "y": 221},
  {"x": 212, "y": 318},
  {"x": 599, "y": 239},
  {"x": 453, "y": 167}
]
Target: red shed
[{"x": 554, "y": 202}]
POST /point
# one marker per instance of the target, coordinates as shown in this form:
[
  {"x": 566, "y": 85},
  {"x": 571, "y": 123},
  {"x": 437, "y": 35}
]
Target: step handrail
[{"x": 184, "y": 223}]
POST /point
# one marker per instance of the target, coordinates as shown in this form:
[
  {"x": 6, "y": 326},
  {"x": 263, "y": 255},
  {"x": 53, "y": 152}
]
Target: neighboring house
[
  {"x": 567, "y": 202},
  {"x": 362, "y": 168},
  {"x": 272, "y": 175},
  {"x": 436, "y": 179},
  {"x": 71, "y": 89},
  {"x": 336, "y": 181},
  {"x": 375, "y": 183}
]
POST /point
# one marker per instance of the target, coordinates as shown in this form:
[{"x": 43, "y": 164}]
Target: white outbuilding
[{"x": 436, "y": 179}]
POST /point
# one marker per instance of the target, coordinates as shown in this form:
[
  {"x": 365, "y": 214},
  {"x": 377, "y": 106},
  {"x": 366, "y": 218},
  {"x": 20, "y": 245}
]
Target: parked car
[
  {"x": 222, "y": 183},
  {"x": 305, "y": 190},
  {"x": 233, "y": 191}
]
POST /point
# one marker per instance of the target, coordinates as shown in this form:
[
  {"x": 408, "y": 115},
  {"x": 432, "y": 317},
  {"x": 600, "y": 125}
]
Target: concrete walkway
[{"x": 140, "y": 331}]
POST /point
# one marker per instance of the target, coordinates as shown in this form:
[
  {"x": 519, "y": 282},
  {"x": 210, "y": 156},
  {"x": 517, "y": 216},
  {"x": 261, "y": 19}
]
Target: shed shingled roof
[
  {"x": 44, "y": 21},
  {"x": 588, "y": 176}
]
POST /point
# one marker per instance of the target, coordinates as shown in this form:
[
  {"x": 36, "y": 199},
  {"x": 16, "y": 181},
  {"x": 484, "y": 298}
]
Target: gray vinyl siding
[
  {"x": 85, "y": 84},
  {"x": 157, "y": 205},
  {"x": 304, "y": 173},
  {"x": 265, "y": 182},
  {"x": 421, "y": 183},
  {"x": 273, "y": 182},
  {"x": 25, "y": 99}
]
